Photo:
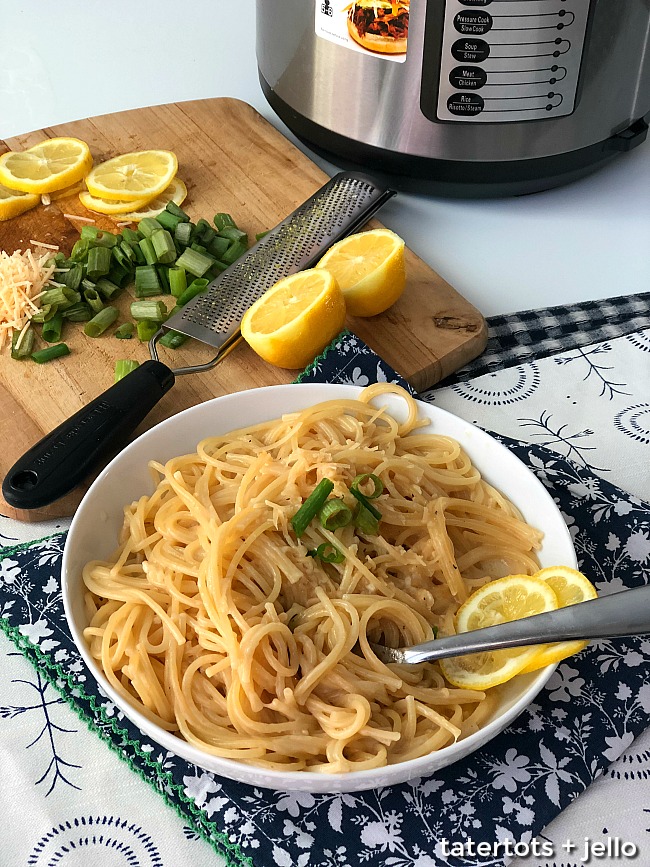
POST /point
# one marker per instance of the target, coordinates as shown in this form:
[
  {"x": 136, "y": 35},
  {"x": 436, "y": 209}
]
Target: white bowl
[{"x": 94, "y": 532}]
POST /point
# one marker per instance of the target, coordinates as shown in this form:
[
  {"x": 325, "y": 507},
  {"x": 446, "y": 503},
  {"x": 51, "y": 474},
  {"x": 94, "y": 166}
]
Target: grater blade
[{"x": 338, "y": 209}]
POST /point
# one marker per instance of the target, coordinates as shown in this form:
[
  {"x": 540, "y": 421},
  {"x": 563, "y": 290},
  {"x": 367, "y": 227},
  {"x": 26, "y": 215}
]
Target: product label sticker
[{"x": 374, "y": 27}]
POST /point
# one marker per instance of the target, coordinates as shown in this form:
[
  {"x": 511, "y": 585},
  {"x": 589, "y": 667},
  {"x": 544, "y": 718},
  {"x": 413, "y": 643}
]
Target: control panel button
[
  {"x": 473, "y": 22},
  {"x": 468, "y": 77},
  {"x": 470, "y": 50},
  {"x": 475, "y": 2},
  {"x": 465, "y": 104}
]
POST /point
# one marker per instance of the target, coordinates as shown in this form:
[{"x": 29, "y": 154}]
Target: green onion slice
[
  {"x": 365, "y": 502},
  {"x": 335, "y": 514},
  {"x": 363, "y": 479},
  {"x": 366, "y": 522},
  {"x": 328, "y": 553},
  {"x": 312, "y": 505}
]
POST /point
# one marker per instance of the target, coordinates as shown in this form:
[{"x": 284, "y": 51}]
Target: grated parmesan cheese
[
  {"x": 79, "y": 218},
  {"x": 22, "y": 278}
]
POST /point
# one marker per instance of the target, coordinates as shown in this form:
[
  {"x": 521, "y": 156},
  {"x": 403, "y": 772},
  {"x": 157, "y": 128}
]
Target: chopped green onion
[
  {"x": 131, "y": 236},
  {"x": 139, "y": 255},
  {"x": 177, "y": 279},
  {"x": 223, "y": 220},
  {"x": 99, "y": 262},
  {"x": 71, "y": 296},
  {"x": 146, "y": 330},
  {"x": 378, "y": 485},
  {"x": 24, "y": 348},
  {"x": 183, "y": 234},
  {"x": 54, "y": 295},
  {"x": 51, "y": 331},
  {"x": 195, "y": 288},
  {"x": 125, "y": 331},
  {"x": 104, "y": 239},
  {"x": 335, "y": 514},
  {"x": 80, "y": 312},
  {"x": 174, "y": 209},
  {"x": 234, "y": 252},
  {"x": 146, "y": 246},
  {"x": 41, "y": 356},
  {"x": 168, "y": 221},
  {"x": 163, "y": 276},
  {"x": 121, "y": 258},
  {"x": 155, "y": 311},
  {"x": 73, "y": 276},
  {"x": 107, "y": 289},
  {"x": 366, "y": 503},
  {"x": 124, "y": 366},
  {"x": 312, "y": 506},
  {"x": 93, "y": 300},
  {"x": 45, "y": 312},
  {"x": 328, "y": 553},
  {"x": 127, "y": 250},
  {"x": 89, "y": 233},
  {"x": 119, "y": 275},
  {"x": 365, "y": 521},
  {"x": 80, "y": 249},
  {"x": 218, "y": 246},
  {"x": 198, "y": 248},
  {"x": 146, "y": 281},
  {"x": 260, "y": 235},
  {"x": 148, "y": 225},
  {"x": 100, "y": 321},
  {"x": 163, "y": 246},
  {"x": 204, "y": 231},
  {"x": 196, "y": 263},
  {"x": 232, "y": 233},
  {"x": 173, "y": 339}
]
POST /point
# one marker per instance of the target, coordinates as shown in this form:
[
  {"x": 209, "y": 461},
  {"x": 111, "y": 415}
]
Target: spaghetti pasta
[{"x": 214, "y": 622}]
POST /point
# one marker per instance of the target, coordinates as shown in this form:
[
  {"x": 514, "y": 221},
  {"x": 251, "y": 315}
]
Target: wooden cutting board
[{"x": 231, "y": 160}]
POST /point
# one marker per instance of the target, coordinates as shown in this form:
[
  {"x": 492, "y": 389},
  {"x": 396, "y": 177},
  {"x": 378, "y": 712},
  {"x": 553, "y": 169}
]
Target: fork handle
[{"x": 614, "y": 616}]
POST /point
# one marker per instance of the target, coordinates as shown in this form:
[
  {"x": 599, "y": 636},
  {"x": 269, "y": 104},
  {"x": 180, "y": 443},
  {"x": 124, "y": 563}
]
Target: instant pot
[{"x": 460, "y": 97}]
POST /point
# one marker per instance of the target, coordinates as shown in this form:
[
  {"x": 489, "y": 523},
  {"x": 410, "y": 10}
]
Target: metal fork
[{"x": 614, "y": 616}]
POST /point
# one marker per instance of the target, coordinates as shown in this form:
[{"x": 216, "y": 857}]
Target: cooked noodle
[{"x": 212, "y": 620}]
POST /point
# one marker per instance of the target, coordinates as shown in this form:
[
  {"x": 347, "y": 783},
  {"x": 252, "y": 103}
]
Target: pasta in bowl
[{"x": 227, "y": 607}]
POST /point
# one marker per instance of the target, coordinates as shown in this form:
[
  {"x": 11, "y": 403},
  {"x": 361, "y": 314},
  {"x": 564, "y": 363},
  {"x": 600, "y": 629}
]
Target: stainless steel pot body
[{"x": 490, "y": 90}]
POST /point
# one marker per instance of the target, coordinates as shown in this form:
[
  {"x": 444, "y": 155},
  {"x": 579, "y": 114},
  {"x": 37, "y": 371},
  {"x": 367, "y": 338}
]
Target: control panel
[{"x": 510, "y": 60}]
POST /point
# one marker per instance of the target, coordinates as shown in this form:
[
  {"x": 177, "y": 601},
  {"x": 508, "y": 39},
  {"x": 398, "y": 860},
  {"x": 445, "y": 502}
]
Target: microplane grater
[{"x": 336, "y": 210}]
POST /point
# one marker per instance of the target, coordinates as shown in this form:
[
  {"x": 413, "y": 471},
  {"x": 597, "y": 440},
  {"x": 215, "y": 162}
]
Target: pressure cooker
[{"x": 470, "y": 98}]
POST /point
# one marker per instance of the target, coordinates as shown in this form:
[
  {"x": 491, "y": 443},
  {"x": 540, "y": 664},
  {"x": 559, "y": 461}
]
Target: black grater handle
[{"x": 63, "y": 458}]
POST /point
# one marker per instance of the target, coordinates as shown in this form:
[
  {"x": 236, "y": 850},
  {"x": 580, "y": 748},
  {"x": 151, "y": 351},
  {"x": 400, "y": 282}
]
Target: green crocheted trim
[
  {"x": 23, "y": 546},
  {"x": 163, "y": 782},
  {"x": 321, "y": 357}
]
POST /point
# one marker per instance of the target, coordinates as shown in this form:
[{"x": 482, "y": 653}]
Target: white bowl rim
[{"x": 308, "y": 781}]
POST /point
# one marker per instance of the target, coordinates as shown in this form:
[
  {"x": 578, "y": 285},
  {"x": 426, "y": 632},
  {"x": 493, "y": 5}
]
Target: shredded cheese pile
[{"x": 22, "y": 278}]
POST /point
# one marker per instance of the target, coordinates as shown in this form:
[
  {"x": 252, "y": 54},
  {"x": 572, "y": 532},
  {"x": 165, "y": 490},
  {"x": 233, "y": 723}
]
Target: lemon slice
[
  {"x": 13, "y": 202},
  {"x": 51, "y": 165},
  {"x": 103, "y": 206},
  {"x": 176, "y": 192},
  {"x": 295, "y": 319},
  {"x": 500, "y": 601},
  {"x": 570, "y": 587},
  {"x": 369, "y": 268},
  {"x": 132, "y": 177}
]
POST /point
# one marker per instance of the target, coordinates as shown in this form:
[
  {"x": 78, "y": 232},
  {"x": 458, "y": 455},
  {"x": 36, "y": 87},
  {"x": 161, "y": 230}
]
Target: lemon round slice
[
  {"x": 13, "y": 202},
  {"x": 570, "y": 587},
  {"x": 295, "y": 319},
  {"x": 103, "y": 206},
  {"x": 51, "y": 165},
  {"x": 500, "y": 601},
  {"x": 132, "y": 177},
  {"x": 369, "y": 267},
  {"x": 176, "y": 192}
]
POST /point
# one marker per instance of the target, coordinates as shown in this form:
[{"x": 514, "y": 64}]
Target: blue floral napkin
[{"x": 590, "y": 711}]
